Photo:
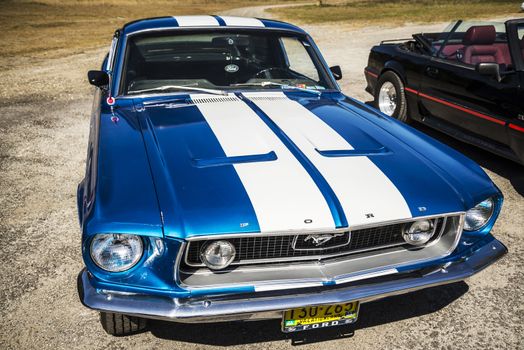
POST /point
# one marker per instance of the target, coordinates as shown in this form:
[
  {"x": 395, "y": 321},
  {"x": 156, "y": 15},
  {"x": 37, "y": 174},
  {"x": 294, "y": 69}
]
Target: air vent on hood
[
  {"x": 268, "y": 98},
  {"x": 202, "y": 100}
]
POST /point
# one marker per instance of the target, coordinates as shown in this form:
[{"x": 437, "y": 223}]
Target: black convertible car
[{"x": 466, "y": 81}]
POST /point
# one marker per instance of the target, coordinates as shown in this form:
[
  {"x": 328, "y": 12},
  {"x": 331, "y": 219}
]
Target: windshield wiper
[
  {"x": 179, "y": 87},
  {"x": 282, "y": 86}
]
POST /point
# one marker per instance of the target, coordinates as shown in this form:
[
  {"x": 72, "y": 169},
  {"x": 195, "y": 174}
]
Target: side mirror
[
  {"x": 337, "y": 72},
  {"x": 490, "y": 69},
  {"x": 98, "y": 78}
]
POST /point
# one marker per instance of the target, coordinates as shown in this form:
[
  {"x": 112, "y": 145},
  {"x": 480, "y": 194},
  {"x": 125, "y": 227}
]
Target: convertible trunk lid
[{"x": 267, "y": 162}]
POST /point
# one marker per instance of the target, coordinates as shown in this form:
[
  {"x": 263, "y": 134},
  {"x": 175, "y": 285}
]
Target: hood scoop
[
  {"x": 381, "y": 151},
  {"x": 329, "y": 146},
  {"x": 220, "y": 161}
]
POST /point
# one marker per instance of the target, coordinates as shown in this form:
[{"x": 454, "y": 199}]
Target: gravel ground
[{"x": 45, "y": 107}]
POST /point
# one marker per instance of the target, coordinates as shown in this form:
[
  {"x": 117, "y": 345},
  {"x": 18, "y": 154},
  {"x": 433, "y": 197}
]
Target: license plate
[{"x": 315, "y": 317}]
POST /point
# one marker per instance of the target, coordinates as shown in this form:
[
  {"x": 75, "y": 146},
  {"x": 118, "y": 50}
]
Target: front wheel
[
  {"x": 390, "y": 97},
  {"x": 118, "y": 324}
]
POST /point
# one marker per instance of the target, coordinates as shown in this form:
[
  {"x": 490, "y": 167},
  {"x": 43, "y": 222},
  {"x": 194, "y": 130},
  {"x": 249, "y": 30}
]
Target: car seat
[{"x": 479, "y": 45}]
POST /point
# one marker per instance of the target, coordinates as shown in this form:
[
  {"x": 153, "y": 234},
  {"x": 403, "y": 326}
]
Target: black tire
[
  {"x": 401, "y": 110},
  {"x": 119, "y": 325}
]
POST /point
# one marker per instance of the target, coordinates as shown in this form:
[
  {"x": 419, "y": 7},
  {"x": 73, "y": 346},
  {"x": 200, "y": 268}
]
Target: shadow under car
[{"x": 371, "y": 314}]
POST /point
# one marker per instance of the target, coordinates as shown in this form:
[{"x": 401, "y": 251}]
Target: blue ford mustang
[{"x": 228, "y": 178}]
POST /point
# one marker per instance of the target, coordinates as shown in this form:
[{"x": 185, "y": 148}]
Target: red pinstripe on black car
[{"x": 465, "y": 81}]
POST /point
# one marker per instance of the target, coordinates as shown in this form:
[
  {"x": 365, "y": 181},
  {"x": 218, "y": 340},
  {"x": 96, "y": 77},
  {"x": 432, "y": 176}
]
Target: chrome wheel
[{"x": 387, "y": 98}]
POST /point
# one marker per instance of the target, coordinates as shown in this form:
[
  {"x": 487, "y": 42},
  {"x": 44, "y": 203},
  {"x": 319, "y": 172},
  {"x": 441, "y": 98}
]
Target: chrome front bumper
[{"x": 270, "y": 305}]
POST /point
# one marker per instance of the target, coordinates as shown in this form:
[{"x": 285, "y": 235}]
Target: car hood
[{"x": 275, "y": 162}]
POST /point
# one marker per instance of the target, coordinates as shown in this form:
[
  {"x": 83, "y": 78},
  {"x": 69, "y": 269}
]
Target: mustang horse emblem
[{"x": 321, "y": 239}]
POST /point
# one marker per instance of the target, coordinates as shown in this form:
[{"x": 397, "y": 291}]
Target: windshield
[
  {"x": 463, "y": 26},
  {"x": 157, "y": 63}
]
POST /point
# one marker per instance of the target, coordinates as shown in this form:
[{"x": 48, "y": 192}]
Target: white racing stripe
[
  {"x": 282, "y": 193},
  {"x": 196, "y": 21},
  {"x": 360, "y": 186},
  {"x": 242, "y": 21}
]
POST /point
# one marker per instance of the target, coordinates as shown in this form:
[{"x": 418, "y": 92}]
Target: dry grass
[
  {"x": 397, "y": 12},
  {"x": 52, "y": 28}
]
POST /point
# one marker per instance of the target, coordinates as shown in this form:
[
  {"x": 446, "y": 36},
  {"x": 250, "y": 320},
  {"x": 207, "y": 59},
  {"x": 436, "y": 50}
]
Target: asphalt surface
[{"x": 44, "y": 116}]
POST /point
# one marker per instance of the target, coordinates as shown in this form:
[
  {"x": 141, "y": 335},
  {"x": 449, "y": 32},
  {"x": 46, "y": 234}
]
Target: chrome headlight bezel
[
  {"x": 112, "y": 242},
  {"x": 488, "y": 203}
]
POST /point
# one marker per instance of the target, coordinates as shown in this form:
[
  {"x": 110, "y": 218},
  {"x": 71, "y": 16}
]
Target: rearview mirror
[
  {"x": 490, "y": 69},
  {"x": 98, "y": 78},
  {"x": 337, "y": 72}
]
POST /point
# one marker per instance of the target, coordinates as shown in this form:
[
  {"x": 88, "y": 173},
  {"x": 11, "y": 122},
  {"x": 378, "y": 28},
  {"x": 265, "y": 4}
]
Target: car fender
[{"x": 396, "y": 67}]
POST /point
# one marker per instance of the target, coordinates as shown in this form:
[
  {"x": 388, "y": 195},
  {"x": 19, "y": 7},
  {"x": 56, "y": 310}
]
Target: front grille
[{"x": 258, "y": 249}]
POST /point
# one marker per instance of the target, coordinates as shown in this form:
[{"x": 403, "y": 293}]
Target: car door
[
  {"x": 456, "y": 95},
  {"x": 515, "y": 128}
]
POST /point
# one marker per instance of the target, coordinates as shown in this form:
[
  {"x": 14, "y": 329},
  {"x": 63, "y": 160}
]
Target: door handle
[{"x": 432, "y": 71}]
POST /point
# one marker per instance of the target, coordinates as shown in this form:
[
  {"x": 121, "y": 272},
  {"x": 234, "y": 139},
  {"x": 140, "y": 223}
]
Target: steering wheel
[{"x": 267, "y": 72}]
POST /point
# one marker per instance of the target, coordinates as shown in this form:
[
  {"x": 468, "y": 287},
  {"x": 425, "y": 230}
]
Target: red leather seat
[
  {"x": 450, "y": 51},
  {"x": 479, "y": 42},
  {"x": 506, "y": 56}
]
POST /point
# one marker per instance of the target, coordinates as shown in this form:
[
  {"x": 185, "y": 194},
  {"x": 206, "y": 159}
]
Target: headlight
[
  {"x": 218, "y": 255},
  {"x": 116, "y": 252},
  {"x": 418, "y": 232},
  {"x": 479, "y": 215}
]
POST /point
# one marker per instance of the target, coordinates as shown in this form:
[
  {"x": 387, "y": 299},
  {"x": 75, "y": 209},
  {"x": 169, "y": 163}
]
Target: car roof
[{"x": 187, "y": 22}]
